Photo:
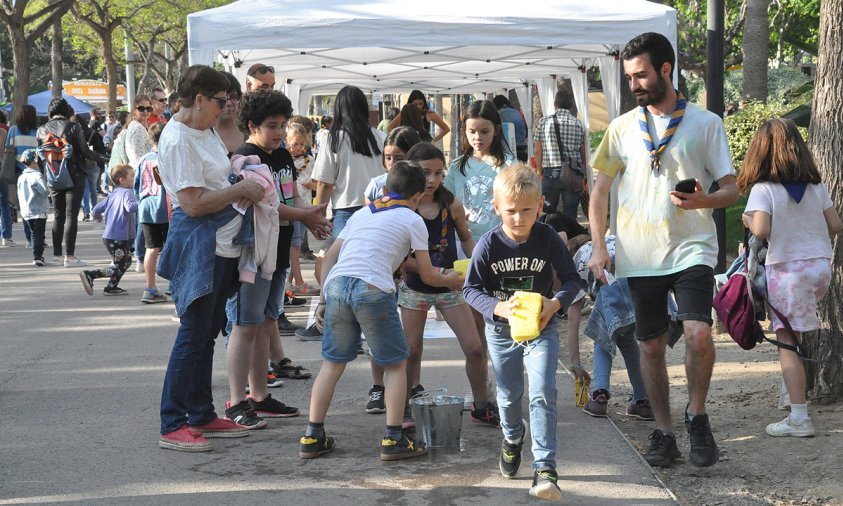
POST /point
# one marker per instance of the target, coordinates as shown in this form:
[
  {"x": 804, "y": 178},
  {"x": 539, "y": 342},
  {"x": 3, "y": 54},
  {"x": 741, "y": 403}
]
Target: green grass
[{"x": 734, "y": 227}]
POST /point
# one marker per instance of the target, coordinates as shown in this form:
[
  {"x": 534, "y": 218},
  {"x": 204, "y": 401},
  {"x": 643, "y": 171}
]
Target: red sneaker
[
  {"x": 220, "y": 427},
  {"x": 184, "y": 440}
]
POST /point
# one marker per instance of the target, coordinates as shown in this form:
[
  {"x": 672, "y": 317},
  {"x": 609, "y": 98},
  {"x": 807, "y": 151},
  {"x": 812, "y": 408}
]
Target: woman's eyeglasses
[
  {"x": 221, "y": 101},
  {"x": 141, "y": 108}
]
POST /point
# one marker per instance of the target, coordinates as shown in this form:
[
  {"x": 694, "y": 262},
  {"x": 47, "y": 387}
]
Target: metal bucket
[{"x": 438, "y": 418}]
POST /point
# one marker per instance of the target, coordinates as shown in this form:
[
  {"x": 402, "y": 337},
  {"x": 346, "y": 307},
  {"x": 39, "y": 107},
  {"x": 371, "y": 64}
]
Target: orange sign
[{"x": 92, "y": 91}]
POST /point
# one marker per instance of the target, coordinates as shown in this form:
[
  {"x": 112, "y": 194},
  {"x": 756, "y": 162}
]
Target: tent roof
[
  {"x": 41, "y": 101},
  {"x": 439, "y": 46}
]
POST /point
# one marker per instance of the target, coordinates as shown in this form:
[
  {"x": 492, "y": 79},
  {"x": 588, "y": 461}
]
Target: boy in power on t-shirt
[
  {"x": 358, "y": 295},
  {"x": 522, "y": 255}
]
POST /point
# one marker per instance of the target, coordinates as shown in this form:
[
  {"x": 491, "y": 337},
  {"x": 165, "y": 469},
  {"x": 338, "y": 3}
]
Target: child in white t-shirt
[
  {"x": 358, "y": 296},
  {"x": 790, "y": 207}
]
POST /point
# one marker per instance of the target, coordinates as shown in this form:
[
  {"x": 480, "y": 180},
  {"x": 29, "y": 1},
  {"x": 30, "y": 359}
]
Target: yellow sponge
[
  {"x": 461, "y": 266},
  {"x": 524, "y": 322}
]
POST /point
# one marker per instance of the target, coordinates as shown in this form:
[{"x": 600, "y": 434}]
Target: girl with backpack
[{"x": 791, "y": 208}]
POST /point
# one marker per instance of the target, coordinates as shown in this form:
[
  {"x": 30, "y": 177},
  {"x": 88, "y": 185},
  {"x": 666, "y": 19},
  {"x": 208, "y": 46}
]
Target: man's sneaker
[
  {"x": 312, "y": 447},
  {"x": 114, "y": 290},
  {"x": 486, "y": 416},
  {"x": 597, "y": 404},
  {"x": 220, "y": 427},
  {"x": 270, "y": 408},
  {"x": 286, "y": 327},
  {"x": 184, "y": 439},
  {"x": 139, "y": 265},
  {"x": 662, "y": 451},
  {"x": 87, "y": 282},
  {"x": 544, "y": 485},
  {"x": 306, "y": 290},
  {"x": 311, "y": 333},
  {"x": 376, "y": 404},
  {"x": 640, "y": 410},
  {"x": 406, "y": 448},
  {"x": 72, "y": 261},
  {"x": 360, "y": 349},
  {"x": 86, "y": 217},
  {"x": 290, "y": 300},
  {"x": 510, "y": 460},
  {"x": 787, "y": 427},
  {"x": 9, "y": 243},
  {"x": 307, "y": 255},
  {"x": 39, "y": 262},
  {"x": 704, "y": 451},
  {"x": 28, "y": 244},
  {"x": 243, "y": 414},
  {"x": 150, "y": 298}
]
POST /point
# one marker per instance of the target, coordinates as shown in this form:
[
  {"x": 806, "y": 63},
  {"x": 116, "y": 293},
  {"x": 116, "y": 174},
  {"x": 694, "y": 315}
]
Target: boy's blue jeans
[
  {"x": 186, "y": 397},
  {"x": 628, "y": 346},
  {"x": 540, "y": 359}
]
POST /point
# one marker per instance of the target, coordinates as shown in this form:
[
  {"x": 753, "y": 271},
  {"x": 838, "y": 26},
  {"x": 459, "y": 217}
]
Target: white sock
[
  {"x": 799, "y": 413},
  {"x": 515, "y": 441}
]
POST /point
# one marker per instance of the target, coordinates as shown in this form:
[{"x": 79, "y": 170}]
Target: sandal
[{"x": 286, "y": 369}]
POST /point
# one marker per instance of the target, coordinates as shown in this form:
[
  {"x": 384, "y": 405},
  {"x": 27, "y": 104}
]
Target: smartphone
[{"x": 687, "y": 185}]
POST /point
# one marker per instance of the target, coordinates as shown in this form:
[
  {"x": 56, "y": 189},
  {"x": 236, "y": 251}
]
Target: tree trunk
[
  {"x": 20, "y": 54},
  {"x": 756, "y": 44},
  {"x": 825, "y": 379},
  {"x": 55, "y": 59},
  {"x": 111, "y": 71}
]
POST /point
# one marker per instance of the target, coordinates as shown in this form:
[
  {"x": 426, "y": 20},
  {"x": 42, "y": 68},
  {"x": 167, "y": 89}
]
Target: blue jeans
[
  {"x": 539, "y": 357},
  {"x": 628, "y": 346},
  {"x": 5, "y": 211},
  {"x": 89, "y": 197},
  {"x": 354, "y": 307},
  {"x": 186, "y": 397},
  {"x": 553, "y": 190}
]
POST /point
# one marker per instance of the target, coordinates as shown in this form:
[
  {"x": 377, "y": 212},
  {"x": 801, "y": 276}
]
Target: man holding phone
[{"x": 666, "y": 238}]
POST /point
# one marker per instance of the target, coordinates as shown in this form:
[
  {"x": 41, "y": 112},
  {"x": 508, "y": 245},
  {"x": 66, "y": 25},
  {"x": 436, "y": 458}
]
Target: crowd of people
[{"x": 219, "y": 194}]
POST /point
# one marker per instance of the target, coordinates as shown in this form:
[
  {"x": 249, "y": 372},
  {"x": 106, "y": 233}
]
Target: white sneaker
[
  {"x": 468, "y": 404},
  {"x": 9, "y": 243},
  {"x": 28, "y": 244},
  {"x": 71, "y": 261},
  {"x": 786, "y": 427},
  {"x": 138, "y": 265}
]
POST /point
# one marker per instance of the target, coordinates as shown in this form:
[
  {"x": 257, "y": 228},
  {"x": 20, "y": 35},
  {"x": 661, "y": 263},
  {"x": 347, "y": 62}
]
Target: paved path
[{"x": 80, "y": 384}]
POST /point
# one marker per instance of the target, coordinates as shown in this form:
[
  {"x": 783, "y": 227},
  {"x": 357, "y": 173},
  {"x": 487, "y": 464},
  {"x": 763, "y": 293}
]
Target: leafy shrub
[
  {"x": 595, "y": 137},
  {"x": 741, "y": 127}
]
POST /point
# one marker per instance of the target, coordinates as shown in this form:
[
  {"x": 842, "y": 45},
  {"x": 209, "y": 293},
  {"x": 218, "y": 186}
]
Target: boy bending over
[
  {"x": 358, "y": 295},
  {"x": 521, "y": 254}
]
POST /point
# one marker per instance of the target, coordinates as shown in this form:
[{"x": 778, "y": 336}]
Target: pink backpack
[{"x": 735, "y": 307}]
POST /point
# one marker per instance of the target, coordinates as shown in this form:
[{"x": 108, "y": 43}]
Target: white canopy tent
[{"x": 437, "y": 46}]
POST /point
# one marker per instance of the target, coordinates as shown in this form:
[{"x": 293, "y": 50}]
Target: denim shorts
[
  {"x": 354, "y": 307},
  {"x": 255, "y": 302},
  {"x": 420, "y": 301},
  {"x": 693, "y": 289}
]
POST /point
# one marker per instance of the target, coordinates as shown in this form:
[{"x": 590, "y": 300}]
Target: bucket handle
[{"x": 430, "y": 394}]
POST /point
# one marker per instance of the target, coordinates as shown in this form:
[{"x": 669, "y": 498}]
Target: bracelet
[{"x": 576, "y": 365}]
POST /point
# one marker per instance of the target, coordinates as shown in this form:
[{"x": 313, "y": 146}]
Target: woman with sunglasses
[
  {"x": 137, "y": 144},
  {"x": 226, "y": 128},
  {"x": 200, "y": 258}
]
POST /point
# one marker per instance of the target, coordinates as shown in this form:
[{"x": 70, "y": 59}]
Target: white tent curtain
[
  {"x": 547, "y": 90},
  {"x": 579, "y": 83},
  {"x": 523, "y": 98},
  {"x": 293, "y": 92},
  {"x": 610, "y": 69}
]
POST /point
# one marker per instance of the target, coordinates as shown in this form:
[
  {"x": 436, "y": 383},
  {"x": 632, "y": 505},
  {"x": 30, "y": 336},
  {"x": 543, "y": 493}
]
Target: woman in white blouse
[{"x": 137, "y": 138}]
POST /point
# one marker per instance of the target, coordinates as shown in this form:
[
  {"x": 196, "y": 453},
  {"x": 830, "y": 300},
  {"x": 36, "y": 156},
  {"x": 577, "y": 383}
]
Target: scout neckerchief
[
  {"x": 675, "y": 119},
  {"x": 439, "y": 248},
  {"x": 387, "y": 202}
]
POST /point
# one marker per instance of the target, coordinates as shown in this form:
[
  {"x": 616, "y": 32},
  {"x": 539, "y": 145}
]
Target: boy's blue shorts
[{"x": 352, "y": 307}]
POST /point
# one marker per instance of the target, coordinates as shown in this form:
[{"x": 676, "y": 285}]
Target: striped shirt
[
  {"x": 571, "y": 133},
  {"x": 21, "y": 140}
]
